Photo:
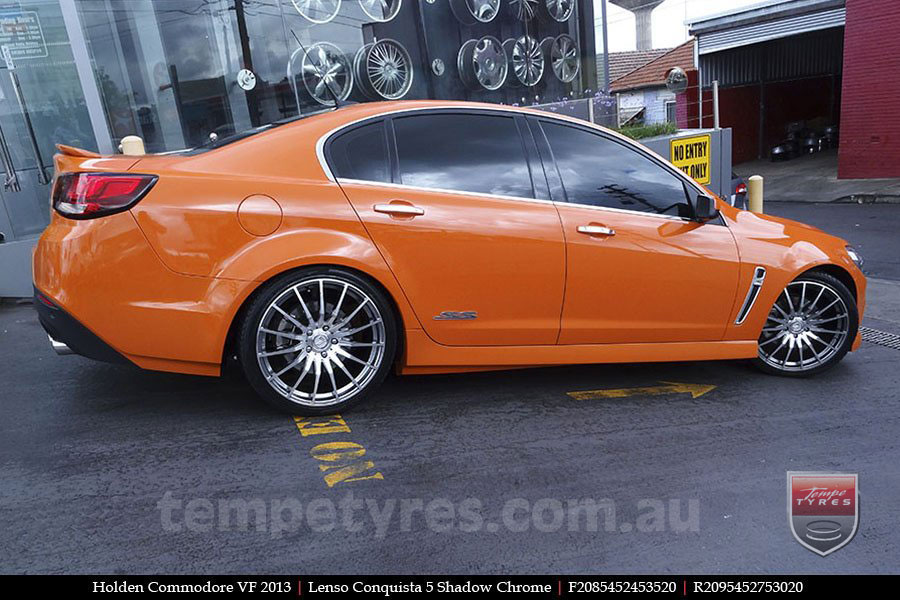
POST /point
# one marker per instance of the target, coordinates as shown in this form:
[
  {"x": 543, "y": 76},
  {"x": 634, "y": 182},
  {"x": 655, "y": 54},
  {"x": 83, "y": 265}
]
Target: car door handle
[
  {"x": 596, "y": 230},
  {"x": 400, "y": 210}
]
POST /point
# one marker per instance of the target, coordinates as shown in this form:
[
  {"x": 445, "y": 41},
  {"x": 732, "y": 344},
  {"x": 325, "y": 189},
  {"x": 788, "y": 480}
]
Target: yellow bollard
[
  {"x": 132, "y": 145},
  {"x": 755, "y": 194}
]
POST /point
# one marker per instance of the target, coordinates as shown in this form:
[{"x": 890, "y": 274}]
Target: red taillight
[
  {"x": 90, "y": 195},
  {"x": 741, "y": 189}
]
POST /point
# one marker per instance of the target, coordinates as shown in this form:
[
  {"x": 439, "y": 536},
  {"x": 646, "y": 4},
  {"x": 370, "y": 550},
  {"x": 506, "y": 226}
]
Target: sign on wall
[
  {"x": 21, "y": 32},
  {"x": 691, "y": 155}
]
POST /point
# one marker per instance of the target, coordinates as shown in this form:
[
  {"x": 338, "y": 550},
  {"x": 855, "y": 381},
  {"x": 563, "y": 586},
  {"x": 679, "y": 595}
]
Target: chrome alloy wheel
[
  {"x": 807, "y": 326},
  {"x": 560, "y": 10},
  {"x": 527, "y": 60},
  {"x": 385, "y": 69},
  {"x": 564, "y": 58},
  {"x": 482, "y": 63},
  {"x": 524, "y": 9},
  {"x": 320, "y": 342},
  {"x": 381, "y": 10},
  {"x": 325, "y": 65},
  {"x": 470, "y": 12},
  {"x": 318, "y": 11}
]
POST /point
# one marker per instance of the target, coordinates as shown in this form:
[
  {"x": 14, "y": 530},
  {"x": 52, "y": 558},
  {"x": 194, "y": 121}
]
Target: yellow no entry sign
[{"x": 691, "y": 155}]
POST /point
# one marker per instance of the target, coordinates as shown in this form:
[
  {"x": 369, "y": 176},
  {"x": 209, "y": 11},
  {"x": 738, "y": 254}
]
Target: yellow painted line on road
[
  {"x": 340, "y": 461},
  {"x": 669, "y": 387}
]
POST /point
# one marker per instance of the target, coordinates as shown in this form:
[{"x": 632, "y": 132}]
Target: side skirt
[{"x": 424, "y": 356}]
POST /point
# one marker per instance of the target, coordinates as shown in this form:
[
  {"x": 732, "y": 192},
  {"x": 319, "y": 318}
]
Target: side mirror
[{"x": 705, "y": 208}]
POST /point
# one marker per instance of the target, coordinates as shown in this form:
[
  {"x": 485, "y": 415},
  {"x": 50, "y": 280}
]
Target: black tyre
[
  {"x": 317, "y": 340},
  {"x": 810, "y": 328}
]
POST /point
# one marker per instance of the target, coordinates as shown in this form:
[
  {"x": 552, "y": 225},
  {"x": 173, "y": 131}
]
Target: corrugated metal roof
[{"x": 754, "y": 33}]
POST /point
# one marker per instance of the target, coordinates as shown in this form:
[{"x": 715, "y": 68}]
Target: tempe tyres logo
[{"x": 823, "y": 509}]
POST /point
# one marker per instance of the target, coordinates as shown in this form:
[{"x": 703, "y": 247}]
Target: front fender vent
[{"x": 759, "y": 276}]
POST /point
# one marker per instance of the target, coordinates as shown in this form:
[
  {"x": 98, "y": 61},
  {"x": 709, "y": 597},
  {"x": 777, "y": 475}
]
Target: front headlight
[{"x": 855, "y": 256}]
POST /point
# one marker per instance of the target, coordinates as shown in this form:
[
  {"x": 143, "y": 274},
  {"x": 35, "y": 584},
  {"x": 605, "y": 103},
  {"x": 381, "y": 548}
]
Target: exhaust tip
[{"x": 59, "y": 347}]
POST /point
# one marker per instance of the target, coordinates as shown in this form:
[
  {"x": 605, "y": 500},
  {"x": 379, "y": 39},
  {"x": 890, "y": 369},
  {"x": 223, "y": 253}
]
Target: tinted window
[
  {"x": 472, "y": 153},
  {"x": 361, "y": 153},
  {"x": 598, "y": 171}
]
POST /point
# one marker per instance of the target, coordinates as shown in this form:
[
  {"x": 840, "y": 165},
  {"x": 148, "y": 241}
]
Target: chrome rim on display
[
  {"x": 470, "y": 12},
  {"x": 482, "y": 62},
  {"x": 524, "y": 9},
  {"x": 526, "y": 58},
  {"x": 384, "y": 69},
  {"x": 564, "y": 58},
  {"x": 320, "y": 342},
  {"x": 323, "y": 65},
  {"x": 381, "y": 10},
  {"x": 806, "y": 327},
  {"x": 559, "y": 10},
  {"x": 317, "y": 11}
]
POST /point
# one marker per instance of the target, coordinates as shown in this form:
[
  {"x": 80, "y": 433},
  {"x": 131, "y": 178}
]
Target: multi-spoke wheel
[
  {"x": 384, "y": 69},
  {"x": 526, "y": 58},
  {"x": 316, "y": 341},
  {"x": 810, "y": 328}
]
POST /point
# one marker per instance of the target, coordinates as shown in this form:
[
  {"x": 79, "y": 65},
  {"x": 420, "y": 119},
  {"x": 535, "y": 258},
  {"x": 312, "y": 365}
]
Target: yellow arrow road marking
[{"x": 694, "y": 389}]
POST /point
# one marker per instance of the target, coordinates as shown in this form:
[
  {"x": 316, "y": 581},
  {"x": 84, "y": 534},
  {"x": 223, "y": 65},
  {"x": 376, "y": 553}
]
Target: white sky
[{"x": 668, "y": 21}]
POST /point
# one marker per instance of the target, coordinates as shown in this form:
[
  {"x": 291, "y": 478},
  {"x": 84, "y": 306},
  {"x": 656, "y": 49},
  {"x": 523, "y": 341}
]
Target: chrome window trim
[
  {"x": 759, "y": 277},
  {"x": 596, "y": 129}
]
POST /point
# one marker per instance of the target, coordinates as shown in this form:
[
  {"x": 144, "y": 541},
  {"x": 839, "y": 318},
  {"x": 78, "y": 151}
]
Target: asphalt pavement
[{"x": 667, "y": 468}]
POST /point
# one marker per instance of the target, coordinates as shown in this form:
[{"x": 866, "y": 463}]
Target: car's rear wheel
[
  {"x": 810, "y": 328},
  {"x": 318, "y": 340}
]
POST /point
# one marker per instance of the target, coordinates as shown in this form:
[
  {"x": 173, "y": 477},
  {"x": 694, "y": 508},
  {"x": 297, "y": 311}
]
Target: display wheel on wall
[
  {"x": 381, "y": 10},
  {"x": 526, "y": 59},
  {"x": 564, "y": 59},
  {"x": 324, "y": 65},
  {"x": 470, "y": 12},
  {"x": 317, "y": 11},
  {"x": 384, "y": 70},
  {"x": 524, "y": 10},
  {"x": 482, "y": 63},
  {"x": 559, "y": 10}
]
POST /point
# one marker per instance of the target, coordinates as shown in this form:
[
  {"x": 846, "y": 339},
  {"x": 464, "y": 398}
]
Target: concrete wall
[
  {"x": 870, "y": 104},
  {"x": 720, "y": 156}
]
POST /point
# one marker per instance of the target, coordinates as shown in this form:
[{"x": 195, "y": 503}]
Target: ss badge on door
[{"x": 823, "y": 509}]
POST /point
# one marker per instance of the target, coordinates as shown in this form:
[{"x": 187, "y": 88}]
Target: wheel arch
[
  {"x": 838, "y": 272},
  {"x": 228, "y": 348}
]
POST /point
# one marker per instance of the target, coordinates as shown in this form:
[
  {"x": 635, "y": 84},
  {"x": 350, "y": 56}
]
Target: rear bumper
[{"x": 68, "y": 336}]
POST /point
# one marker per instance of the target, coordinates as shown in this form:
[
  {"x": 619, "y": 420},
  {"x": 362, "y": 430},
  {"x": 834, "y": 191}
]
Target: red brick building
[{"x": 870, "y": 101}]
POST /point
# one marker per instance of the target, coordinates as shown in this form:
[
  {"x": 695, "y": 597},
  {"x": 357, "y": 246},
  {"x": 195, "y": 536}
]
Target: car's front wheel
[
  {"x": 810, "y": 328},
  {"x": 318, "y": 340}
]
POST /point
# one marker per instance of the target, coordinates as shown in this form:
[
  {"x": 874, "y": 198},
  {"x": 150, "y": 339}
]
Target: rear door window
[{"x": 479, "y": 153}]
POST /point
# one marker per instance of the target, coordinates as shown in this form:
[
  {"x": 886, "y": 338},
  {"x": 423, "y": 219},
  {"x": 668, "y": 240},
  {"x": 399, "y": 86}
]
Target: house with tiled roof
[
  {"x": 623, "y": 63},
  {"x": 642, "y": 94}
]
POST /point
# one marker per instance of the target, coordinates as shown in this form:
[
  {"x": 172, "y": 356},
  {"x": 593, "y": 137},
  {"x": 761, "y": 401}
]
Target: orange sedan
[{"x": 430, "y": 237}]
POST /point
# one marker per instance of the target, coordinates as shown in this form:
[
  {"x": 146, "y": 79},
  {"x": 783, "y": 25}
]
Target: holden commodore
[{"x": 426, "y": 237}]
